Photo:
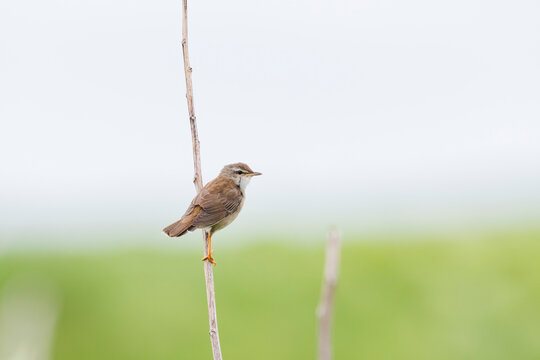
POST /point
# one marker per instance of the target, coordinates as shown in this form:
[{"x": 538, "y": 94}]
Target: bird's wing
[{"x": 218, "y": 199}]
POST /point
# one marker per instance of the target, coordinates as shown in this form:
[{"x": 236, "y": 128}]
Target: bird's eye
[{"x": 239, "y": 172}]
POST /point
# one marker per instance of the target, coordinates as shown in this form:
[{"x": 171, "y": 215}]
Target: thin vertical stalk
[
  {"x": 197, "y": 180},
  {"x": 326, "y": 302}
]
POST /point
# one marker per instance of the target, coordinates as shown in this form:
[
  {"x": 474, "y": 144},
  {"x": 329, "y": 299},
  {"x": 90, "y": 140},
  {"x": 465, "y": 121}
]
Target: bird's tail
[{"x": 179, "y": 227}]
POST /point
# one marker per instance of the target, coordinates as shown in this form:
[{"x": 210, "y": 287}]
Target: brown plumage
[
  {"x": 218, "y": 200},
  {"x": 216, "y": 205},
  {"x": 183, "y": 225}
]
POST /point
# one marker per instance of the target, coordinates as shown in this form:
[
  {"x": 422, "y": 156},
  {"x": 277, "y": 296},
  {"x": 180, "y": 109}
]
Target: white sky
[{"x": 367, "y": 113}]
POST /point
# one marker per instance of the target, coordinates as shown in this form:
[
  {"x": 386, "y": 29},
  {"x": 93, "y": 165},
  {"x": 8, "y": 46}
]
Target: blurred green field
[{"x": 474, "y": 299}]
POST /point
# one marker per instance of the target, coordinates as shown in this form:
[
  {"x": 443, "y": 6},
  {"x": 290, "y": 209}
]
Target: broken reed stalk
[
  {"x": 197, "y": 180},
  {"x": 326, "y": 302}
]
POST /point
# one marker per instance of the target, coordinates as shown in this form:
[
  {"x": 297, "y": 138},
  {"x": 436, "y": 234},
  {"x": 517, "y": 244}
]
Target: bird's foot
[{"x": 209, "y": 258}]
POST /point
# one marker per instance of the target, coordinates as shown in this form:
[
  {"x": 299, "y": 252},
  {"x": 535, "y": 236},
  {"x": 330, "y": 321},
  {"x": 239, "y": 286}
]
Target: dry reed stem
[
  {"x": 326, "y": 302},
  {"x": 197, "y": 180}
]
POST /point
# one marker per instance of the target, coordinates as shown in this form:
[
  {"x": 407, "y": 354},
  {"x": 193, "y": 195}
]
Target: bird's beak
[{"x": 255, "y": 174}]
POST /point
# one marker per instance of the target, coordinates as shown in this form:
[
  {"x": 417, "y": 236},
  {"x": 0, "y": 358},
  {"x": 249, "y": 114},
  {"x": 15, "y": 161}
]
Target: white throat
[{"x": 243, "y": 182}]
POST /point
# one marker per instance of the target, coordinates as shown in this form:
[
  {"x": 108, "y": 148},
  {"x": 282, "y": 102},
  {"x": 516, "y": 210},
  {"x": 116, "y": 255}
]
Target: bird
[{"x": 217, "y": 204}]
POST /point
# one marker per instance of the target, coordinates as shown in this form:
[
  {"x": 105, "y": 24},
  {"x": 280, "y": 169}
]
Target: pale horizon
[{"x": 373, "y": 115}]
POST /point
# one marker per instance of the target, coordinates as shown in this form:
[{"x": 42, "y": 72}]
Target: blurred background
[{"x": 411, "y": 126}]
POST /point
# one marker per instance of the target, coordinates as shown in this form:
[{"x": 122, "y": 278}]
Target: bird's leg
[{"x": 209, "y": 256}]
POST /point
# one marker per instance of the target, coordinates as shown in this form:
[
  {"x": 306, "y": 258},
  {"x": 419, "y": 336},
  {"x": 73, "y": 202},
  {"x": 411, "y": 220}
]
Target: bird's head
[{"x": 240, "y": 173}]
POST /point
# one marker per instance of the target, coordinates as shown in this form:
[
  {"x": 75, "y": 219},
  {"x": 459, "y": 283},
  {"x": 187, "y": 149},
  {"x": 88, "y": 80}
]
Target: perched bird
[{"x": 216, "y": 205}]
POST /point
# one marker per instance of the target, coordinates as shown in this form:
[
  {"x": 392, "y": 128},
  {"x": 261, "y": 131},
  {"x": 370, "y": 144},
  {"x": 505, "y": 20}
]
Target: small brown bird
[{"x": 216, "y": 205}]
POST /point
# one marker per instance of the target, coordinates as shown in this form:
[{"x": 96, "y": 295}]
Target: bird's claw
[{"x": 209, "y": 258}]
